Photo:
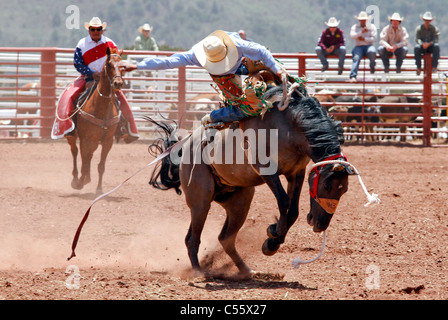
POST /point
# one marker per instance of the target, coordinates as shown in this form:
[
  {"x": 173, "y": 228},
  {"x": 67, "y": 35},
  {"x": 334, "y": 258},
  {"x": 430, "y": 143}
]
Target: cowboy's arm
[
  {"x": 435, "y": 36},
  {"x": 179, "y": 59},
  {"x": 355, "y": 32},
  {"x": 155, "y": 46},
  {"x": 255, "y": 51},
  {"x": 81, "y": 67},
  {"x": 138, "y": 43},
  {"x": 371, "y": 34},
  {"x": 384, "y": 39},
  {"x": 404, "y": 38},
  {"x": 418, "y": 36},
  {"x": 320, "y": 41}
]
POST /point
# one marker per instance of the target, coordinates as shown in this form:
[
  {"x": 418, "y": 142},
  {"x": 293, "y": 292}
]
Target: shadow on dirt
[
  {"x": 214, "y": 284},
  {"x": 92, "y": 196}
]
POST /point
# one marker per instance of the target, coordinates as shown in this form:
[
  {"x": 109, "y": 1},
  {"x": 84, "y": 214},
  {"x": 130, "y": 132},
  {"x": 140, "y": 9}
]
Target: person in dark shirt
[
  {"x": 331, "y": 42},
  {"x": 427, "y": 38}
]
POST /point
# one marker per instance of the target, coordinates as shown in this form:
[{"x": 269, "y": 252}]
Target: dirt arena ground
[{"x": 132, "y": 246}]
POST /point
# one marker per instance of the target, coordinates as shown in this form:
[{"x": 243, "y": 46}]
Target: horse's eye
[{"x": 340, "y": 186}]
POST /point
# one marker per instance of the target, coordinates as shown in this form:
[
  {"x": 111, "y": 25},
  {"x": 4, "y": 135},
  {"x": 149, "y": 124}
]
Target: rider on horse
[
  {"x": 226, "y": 57},
  {"x": 89, "y": 58}
]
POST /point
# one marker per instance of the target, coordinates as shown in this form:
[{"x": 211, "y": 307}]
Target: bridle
[
  {"x": 329, "y": 205},
  {"x": 100, "y": 122},
  {"x": 111, "y": 80}
]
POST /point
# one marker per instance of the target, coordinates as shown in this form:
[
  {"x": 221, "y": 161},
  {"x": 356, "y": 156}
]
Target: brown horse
[
  {"x": 279, "y": 143},
  {"x": 97, "y": 123}
]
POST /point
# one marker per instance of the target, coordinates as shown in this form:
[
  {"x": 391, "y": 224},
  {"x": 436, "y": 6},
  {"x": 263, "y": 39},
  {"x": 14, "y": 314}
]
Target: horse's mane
[{"x": 323, "y": 133}]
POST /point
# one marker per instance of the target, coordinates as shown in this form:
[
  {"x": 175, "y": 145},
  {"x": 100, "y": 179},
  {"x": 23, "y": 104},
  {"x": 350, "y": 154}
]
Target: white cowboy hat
[
  {"x": 396, "y": 16},
  {"x": 145, "y": 27},
  {"x": 95, "y": 22},
  {"x": 332, "y": 22},
  {"x": 216, "y": 53},
  {"x": 427, "y": 16},
  {"x": 363, "y": 16}
]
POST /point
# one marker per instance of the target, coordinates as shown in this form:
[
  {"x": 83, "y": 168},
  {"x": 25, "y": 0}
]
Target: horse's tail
[{"x": 166, "y": 173}]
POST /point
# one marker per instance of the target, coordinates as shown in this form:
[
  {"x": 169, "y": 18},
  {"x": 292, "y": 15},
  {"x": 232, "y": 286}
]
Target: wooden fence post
[
  {"x": 427, "y": 101},
  {"x": 48, "y": 91}
]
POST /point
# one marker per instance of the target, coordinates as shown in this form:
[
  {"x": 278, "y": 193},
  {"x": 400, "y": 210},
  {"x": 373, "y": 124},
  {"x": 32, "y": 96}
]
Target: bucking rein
[{"x": 372, "y": 198}]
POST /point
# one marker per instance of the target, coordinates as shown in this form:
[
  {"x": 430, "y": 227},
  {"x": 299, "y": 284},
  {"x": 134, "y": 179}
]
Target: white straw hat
[
  {"x": 95, "y": 22},
  {"x": 145, "y": 27},
  {"x": 332, "y": 22},
  {"x": 427, "y": 16},
  {"x": 396, "y": 16},
  {"x": 216, "y": 53},
  {"x": 362, "y": 16}
]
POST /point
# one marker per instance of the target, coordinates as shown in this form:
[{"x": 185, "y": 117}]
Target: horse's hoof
[
  {"x": 272, "y": 231},
  {"x": 269, "y": 247},
  {"x": 76, "y": 185}
]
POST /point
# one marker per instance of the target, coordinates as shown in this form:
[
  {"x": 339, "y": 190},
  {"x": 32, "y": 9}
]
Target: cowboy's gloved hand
[
  {"x": 96, "y": 76},
  {"x": 283, "y": 75},
  {"x": 126, "y": 67}
]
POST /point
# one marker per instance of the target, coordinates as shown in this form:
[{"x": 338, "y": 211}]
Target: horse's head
[
  {"x": 328, "y": 182},
  {"x": 112, "y": 70}
]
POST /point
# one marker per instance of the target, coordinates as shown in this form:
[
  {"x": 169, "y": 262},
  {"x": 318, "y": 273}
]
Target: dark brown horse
[
  {"x": 279, "y": 143},
  {"x": 97, "y": 122}
]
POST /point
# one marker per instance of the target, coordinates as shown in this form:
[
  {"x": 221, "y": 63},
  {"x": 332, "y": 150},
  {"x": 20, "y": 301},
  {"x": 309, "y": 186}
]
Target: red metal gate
[{"x": 28, "y": 112}]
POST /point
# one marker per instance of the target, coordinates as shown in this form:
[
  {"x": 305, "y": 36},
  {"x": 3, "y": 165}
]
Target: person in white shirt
[
  {"x": 393, "y": 41},
  {"x": 364, "y": 34}
]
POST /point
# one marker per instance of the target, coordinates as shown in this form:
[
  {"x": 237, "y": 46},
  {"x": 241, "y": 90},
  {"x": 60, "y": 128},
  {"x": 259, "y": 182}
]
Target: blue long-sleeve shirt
[{"x": 251, "y": 50}]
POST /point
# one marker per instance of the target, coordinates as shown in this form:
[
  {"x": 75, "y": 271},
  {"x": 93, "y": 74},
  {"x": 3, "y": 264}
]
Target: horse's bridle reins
[
  {"x": 329, "y": 205},
  {"x": 111, "y": 80}
]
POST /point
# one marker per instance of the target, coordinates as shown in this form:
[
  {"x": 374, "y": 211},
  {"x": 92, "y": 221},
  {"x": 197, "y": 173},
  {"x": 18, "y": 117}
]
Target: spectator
[
  {"x": 243, "y": 35},
  {"x": 393, "y": 41},
  {"x": 427, "y": 38},
  {"x": 144, "y": 41},
  {"x": 225, "y": 56},
  {"x": 331, "y": 42},
  {"x": 365, "y": 35}
]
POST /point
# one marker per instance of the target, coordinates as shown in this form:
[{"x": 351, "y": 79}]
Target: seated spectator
[
  {"x": 365, "y": 37},
  {"x": 144, "y": 41},
  {"x": 427, "y": 38},
  {"x": 393, "y": 41},
  {"x": 331, "y": 42}
]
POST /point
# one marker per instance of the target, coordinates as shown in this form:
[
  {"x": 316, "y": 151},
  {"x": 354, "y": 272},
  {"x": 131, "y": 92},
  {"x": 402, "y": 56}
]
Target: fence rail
[{"x": 32, "y": 79}]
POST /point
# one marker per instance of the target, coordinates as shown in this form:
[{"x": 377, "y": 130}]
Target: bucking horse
[{"x": 225, "y": 166}]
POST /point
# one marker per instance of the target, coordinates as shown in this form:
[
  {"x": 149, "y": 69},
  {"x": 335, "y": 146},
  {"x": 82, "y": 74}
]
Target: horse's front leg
[
  {"x": 74, "y": 149},
  {"x": 106, "y": 146},
  {"x": 283, "y": 201},
  {"x": 86, "y": 158},
  {"x": 272, "y": 244}
]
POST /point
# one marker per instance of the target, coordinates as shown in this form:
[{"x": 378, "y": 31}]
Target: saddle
[{"x": 121, "y": 129}]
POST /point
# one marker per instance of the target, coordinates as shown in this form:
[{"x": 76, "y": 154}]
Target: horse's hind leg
[
  {"x": 74, "y": 149},
  {"x": 237, "y": 206}
]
